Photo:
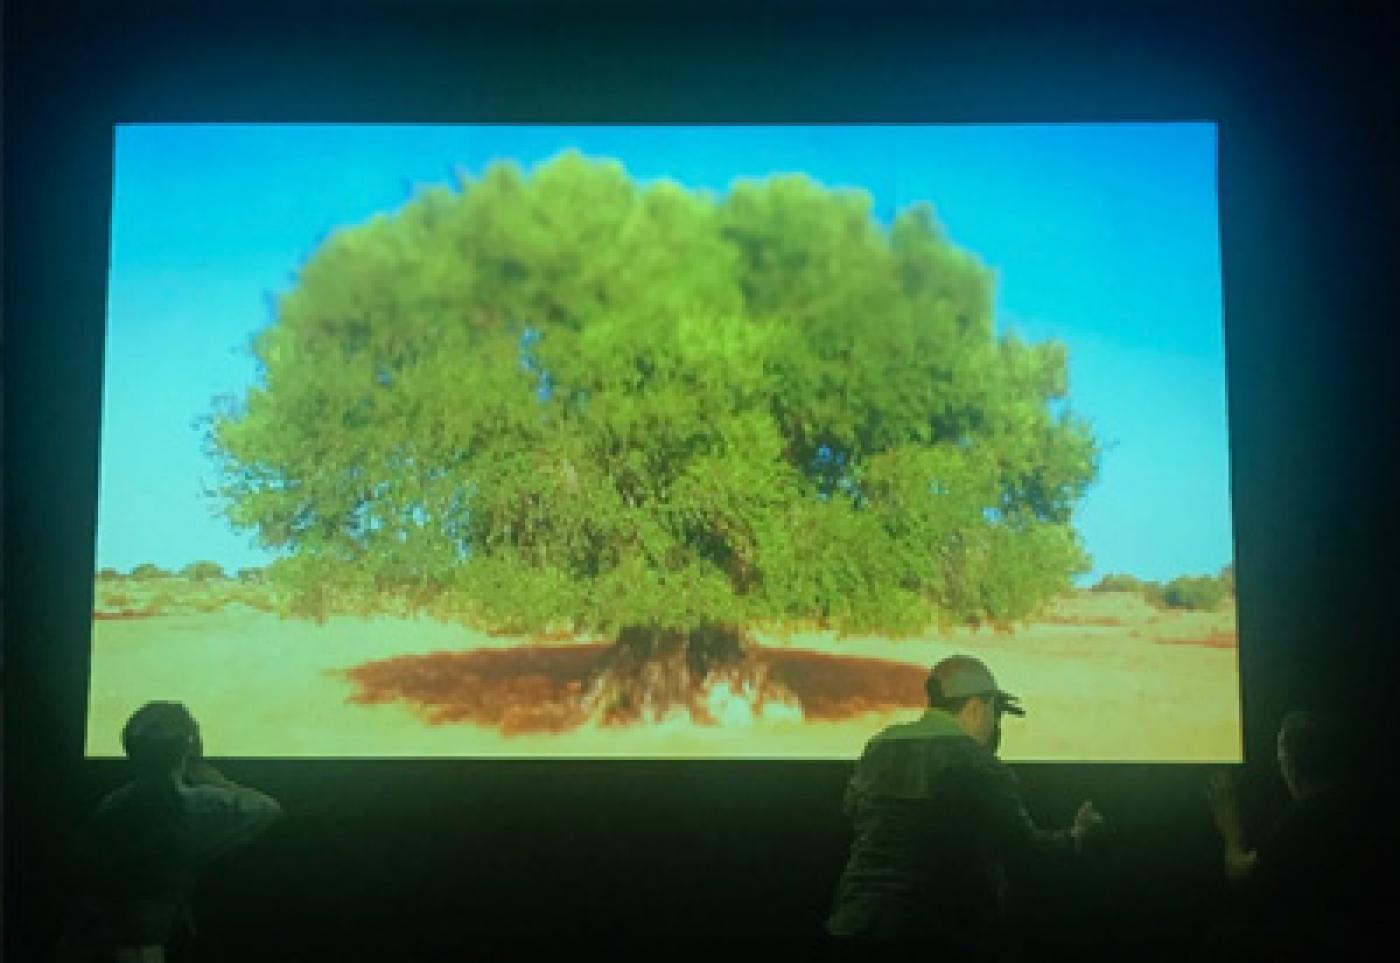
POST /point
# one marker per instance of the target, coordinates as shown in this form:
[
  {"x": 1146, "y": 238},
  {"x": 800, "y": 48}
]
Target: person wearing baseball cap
[
  {"x": 936, "y": 817},
  {"x": 963, "y": 677}
]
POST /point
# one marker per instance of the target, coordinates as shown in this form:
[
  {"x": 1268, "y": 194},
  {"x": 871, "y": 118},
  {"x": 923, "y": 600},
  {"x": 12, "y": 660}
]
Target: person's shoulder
[
  {"x": 912, "y": 743},
  {"x": 892, "y": 733},
  {"x": 928, "y": 727},
  {"x": 120, "y": 803}
]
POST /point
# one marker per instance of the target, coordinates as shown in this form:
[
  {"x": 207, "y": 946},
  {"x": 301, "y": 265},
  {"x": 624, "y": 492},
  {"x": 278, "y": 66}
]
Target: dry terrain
[{"x": 1103, "y": 677}]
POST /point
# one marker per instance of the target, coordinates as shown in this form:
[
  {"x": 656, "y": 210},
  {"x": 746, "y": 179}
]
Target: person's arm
[
  {"x": 1019, "y": 832},
  {"x": 224, "y": 814},
  {"x": 1239, "y": 863},
  {"x": 1240, "y": 860},
  {"x": 200, "y": 773},
  {"x": 1088, "y": 823}
]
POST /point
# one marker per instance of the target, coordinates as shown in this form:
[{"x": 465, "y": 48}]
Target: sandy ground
[{"x": 1103, "y": 678}]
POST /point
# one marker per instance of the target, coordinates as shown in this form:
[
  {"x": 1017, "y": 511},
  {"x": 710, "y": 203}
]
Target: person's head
[
  {"x": 1309, "y": 752},
  {"x": 964, "y": 688},
  {"x": 159, "y": 738}
]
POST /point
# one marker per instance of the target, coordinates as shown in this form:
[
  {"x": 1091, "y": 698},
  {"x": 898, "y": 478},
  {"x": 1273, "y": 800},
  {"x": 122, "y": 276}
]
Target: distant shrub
[
  {"x": 258, "y": 596},
  {"x": 1199, "y": 592},
  {"x": 1153, "y": 593},
  {"x": 1119, "y": 583},
  {"x": 147, "y": 570},
  {"x": 116, "y": 600},
  {"x": 203, "y": 571},
  {"x": 251, "y": 576},
  {"x": 108, "y": 573},
  {"x": 1195, "y": 592},
  {"x": 261, "y": 602},
  {"x": 162, "y": 602}
]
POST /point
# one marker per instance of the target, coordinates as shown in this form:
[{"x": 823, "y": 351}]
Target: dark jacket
[
  {"x": 142, "y": 850},
  {"x": 1323, "y": 876},
  {"x": 936, "y": 817}
]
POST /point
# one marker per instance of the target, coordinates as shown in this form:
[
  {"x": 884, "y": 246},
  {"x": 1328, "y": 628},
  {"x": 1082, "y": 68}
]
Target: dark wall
[{"x": 451, "y": 853}]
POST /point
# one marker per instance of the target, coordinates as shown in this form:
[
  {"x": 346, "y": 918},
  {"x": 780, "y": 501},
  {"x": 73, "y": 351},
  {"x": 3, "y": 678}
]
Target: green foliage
[
  {"x": 118, "y": 601},
  {"x": 196, "y": 590},
  {"x": 570, "y": 399},
  {"x": 164, "y": 601},
  {"x": 1120, "y": 583},
  {"x": 1200, "y": 592},
  {"x": 203, "y": 571},
  {"x": 147, "y": 570}
]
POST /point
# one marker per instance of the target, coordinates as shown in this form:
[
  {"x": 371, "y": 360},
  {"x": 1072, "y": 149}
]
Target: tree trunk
[{"x": 705, "y": 674}]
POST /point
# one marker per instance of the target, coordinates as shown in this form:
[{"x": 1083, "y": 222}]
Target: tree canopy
[{"x": 569, "y": 398}]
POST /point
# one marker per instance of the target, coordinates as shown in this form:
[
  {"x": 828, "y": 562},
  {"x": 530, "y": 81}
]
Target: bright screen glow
[{"x": 664, "y": 442}]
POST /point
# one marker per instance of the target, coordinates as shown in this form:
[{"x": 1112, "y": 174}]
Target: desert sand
[{"x": 1103, "y": 677}]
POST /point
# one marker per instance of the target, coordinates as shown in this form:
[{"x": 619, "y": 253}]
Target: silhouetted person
[
  {"x": 142, "y": 849},
  {"x": 936, "y": 817},
  {"x": 1309, "y": 887}
]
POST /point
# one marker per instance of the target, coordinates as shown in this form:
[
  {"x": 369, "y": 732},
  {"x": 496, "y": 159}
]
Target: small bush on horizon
[
  {"x": 1118, "y": 582},
  {"x": 203, "y": 571},
  {"x": 1196, "y": 592},
  {"x": 1192, "y": 592},
  {"x": 115, "y": 600}
]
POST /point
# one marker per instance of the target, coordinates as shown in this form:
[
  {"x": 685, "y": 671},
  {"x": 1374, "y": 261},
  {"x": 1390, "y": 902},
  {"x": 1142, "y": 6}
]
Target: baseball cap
[{"x": 962, "y": 675}]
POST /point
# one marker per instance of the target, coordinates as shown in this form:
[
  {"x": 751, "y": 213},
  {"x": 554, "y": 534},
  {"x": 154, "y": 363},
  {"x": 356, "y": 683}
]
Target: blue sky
[{"x": 1103, "y": 236}]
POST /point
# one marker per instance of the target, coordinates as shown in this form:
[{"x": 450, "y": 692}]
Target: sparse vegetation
[
  {"x": 1194, "y": 592},
  {"x": 1110, "y": 677},
  {"x": 201, "y": 587},
  {"x": 203, "y": 571},
  {"x": 1118, "y": 583},
  {"x": 1201, "y": 592}
]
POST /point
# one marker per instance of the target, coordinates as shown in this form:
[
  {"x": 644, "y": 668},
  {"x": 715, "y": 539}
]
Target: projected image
[{"x": 664, "y": 441}]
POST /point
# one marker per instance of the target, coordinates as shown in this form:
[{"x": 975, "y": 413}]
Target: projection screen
[{"x": 664, "y": 442}]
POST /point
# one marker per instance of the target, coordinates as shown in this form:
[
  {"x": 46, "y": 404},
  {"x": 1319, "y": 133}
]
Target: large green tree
[{"x": 567, "y": 399}]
